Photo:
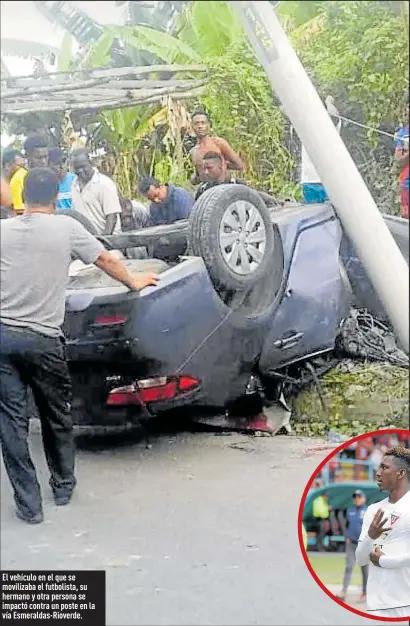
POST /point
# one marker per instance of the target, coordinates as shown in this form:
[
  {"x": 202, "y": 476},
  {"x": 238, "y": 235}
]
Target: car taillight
[
  {"x": 110, "y": 320},
  {"x": 123, "y": 396},
  {"x": 185, "y": 383},
  {"x": 152, "y": 390}
]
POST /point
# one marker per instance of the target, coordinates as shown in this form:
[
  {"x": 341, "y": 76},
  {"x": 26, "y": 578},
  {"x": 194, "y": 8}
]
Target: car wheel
[
  {"x": 232, "y": 230},
  {"x": 80, "y": 218}
]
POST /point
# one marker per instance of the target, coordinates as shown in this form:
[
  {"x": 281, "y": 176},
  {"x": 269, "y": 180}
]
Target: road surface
[{"x": 200, "y": 529}]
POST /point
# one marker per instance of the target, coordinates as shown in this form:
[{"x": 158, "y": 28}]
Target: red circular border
[{"x": 300, "y": 518}]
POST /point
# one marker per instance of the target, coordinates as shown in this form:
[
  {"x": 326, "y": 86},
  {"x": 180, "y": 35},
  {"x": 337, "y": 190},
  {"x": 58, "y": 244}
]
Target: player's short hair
[
  {"x": 40, "y": 187},
  {"x": 401, "y": 458},
  {"x": 34, "y": 142},
  {"x": 212, "y": 156},
  {"x": 146, "y": 182}
]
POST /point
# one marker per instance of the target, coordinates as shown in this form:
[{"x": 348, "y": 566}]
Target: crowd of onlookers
[
  {"x": 94, "y": 195},
  {"x": 90, "y": 192},
  {"x": 367, "y": 454}
]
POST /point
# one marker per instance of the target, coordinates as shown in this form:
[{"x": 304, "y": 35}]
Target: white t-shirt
[
  {"x": 97, "y": 199},
  {"x": 389, "y": 587}
]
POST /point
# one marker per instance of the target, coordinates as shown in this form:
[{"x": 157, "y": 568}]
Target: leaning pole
[{"x": 358, "y": 213}]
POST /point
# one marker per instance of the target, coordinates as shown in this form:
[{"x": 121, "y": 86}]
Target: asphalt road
[{"x": 200, "y": 529}]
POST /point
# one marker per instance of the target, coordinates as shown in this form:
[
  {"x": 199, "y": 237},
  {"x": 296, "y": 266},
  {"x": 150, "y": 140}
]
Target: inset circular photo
[{"x": 354, "y": 525}]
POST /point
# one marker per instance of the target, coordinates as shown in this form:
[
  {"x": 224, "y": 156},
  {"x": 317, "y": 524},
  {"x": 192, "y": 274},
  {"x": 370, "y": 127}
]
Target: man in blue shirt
[
  {"x": 168, "y": 203},
  {"x": 354, "y": 518},
  {"x": 58, "y": 161}
]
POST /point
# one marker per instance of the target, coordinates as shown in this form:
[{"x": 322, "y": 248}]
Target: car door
[{"x": 316, "y": 299}]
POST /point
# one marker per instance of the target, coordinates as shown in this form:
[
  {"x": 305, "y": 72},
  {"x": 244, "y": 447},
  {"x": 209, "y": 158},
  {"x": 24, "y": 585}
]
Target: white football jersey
[{"x": 390, "y": 588}]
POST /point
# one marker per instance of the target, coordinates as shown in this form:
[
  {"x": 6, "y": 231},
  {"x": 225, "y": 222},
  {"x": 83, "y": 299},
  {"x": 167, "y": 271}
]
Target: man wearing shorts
[{"x": 384, "y": 543}]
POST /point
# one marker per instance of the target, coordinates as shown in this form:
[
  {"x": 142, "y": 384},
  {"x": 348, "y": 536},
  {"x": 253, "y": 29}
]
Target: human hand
[
  {"x": 143, "y": 279},
  {"x": 375, "y": 555},
  {"x": 378, "y": 525},
  {"x": 347, "y": 540}
]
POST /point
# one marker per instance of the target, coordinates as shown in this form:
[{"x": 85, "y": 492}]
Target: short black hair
[
  {"x": 80, "y": 152},
  {"x": 40, "y": 187},
  {"x": 56, "y": 156},
  {"x": 9, "y": 156},
  {"x": 401, "y": 458},
  {"x": 200, "y": 112},
  {"x": 208, "y": 156},
  {"x": 34, "y": 142},
  {"x": 146, "y": 182}
]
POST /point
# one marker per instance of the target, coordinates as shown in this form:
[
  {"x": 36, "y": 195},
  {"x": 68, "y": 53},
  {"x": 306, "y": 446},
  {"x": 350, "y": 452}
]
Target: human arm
[
  {"x": 379, "y": 559},
  {"x": 110, "y": 223},
  {"x": 5, "y": 193},
  {"x": 87, "y": 248},
  {"x": 116, "y": 269},
  {"x": 374, "y": 525},
  {"x": 232, "y": 159},
  {"x": 110, "y": 204}
]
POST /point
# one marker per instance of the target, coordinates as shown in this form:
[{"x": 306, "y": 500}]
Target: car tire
[
  {"x": 236, "y": 260},
  {"x": 80, "y": 218}
]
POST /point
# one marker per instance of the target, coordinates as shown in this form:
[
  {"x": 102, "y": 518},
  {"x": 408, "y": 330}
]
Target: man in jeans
[
  {"x": 35, "y": 254},
  {"x": 354, "y": 517}
]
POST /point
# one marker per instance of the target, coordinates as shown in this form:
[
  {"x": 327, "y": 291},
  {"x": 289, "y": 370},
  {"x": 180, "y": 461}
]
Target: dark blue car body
[{"x": 182, "y": 327}]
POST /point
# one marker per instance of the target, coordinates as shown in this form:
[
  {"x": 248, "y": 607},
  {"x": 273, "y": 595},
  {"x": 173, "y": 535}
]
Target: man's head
[
  {"x": 213, "y": 168},
  {"x": 36, "y": 149},
  {"x": 40, "y": 189},
  {"x": 201, "y": 124},
  {"x": 152, "y": 189},
  {"x": 11, "y": 161},
  {"x": 394, "y": 470},
  {"x": 82, "y": 166},
  {"x": 58, "y": 161},
  {"x": 359, "y": 498}
]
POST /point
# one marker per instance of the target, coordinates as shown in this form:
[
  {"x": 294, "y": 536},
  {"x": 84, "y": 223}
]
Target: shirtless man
[{"x": 207, "y": 143}]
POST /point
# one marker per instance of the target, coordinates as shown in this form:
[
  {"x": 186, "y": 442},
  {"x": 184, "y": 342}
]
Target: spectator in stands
[
  {"x": 354, "y": 517},
  {"x": 15, "y": 172},
  {"x": 58, "y": 161},
  {"x": 321, "y": 513},
  {"x": 168, "y": 203},
  {"x": 95, "y": 196}
]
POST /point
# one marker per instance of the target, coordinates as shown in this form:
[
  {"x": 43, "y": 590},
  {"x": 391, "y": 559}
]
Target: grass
[{"x": 330, "y": 569}]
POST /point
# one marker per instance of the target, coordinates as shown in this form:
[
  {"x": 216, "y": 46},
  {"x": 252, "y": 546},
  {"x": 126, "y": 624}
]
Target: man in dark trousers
[
  {"x": 35, "y": 254},
  {"x": 354, "y": 518}
]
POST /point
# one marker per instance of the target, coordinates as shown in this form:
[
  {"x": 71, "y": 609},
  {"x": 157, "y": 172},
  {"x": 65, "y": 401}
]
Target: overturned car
[{"x": 245, "y": 292}]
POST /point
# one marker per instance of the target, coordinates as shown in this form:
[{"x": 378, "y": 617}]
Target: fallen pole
[{"x": 358, "y": 213}]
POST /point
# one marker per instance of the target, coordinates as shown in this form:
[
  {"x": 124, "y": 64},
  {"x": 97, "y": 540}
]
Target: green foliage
[
  {"x": 358, "y": 399},
  {"x": 358, "y": 53},
  {"x": 65, "y": 57}
]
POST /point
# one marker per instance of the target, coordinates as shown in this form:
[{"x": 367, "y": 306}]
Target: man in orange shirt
[{"x": 209, "y": 143}]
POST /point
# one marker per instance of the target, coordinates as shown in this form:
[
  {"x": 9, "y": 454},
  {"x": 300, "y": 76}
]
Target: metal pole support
[{"x": 354, "y": 205}]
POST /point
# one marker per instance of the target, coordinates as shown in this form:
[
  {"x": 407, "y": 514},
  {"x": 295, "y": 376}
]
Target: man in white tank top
[{"x": 384, "y": 543}]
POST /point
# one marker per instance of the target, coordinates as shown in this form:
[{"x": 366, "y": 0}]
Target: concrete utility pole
[{"x": 361, "y": 219}]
